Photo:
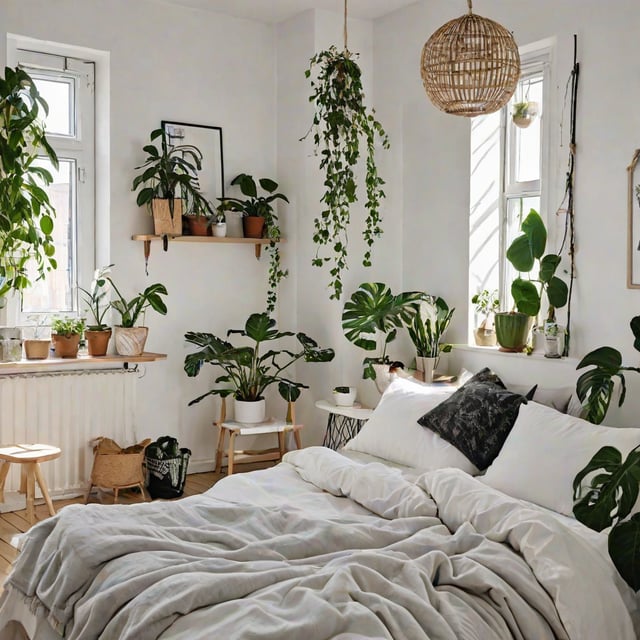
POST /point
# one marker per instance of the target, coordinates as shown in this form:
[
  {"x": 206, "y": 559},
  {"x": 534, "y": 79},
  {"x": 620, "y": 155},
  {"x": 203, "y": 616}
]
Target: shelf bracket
[
  {"x": 147, "y": 253},
  {"x": 258, "y": 248}
]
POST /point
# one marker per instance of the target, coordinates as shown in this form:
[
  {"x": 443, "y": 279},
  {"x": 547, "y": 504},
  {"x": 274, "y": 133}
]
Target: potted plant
[
  {"x": 371, "y": 312},
  {"x": 66, "y": 336},
  {"x": 524, "y": 113},
  {"x": 247, "y": 370},
  {"x": 487, "y": 303},
  {"x": 260, "y": 219},
  {"x": 341, "y": 123},
  {"x": 199, "y": 215},
  {"x": 98, "y": 333},
  {"x": 525, "y": 252},
  {"x": 26, "y": 214},
  {"x": 218, "y": 223},
  {"x": 428, "y": 326},
  {"x": 128, "y": 336},
  {"x": 167, "y": 176},
  {"x": 344, "y": 396},
  {"x": 37, "y": 347}
]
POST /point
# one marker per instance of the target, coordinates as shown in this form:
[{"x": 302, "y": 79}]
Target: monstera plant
[
  {"x": 26, "y": 214},
  {"x": 373, "y": 311}
]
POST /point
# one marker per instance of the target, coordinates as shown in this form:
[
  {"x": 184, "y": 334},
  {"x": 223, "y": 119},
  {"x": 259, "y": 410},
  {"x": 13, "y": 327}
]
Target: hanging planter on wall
[
  {"x": 340, "y": 124},
  {"x": 524, "y": 113}
]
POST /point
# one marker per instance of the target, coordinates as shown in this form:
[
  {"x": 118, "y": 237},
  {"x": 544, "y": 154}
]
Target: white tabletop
[
  {"x": 357, "y": 411},
  {"x": 268, "y": 426}
]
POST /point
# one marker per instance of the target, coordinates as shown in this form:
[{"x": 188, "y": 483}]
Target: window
[
  {"x": 67, "y": 84},
  {"x": 506, "y": 179}
]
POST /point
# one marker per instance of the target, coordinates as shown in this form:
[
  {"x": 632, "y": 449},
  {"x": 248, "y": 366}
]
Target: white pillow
[
  {"x": 392, "y": 432},
  {"x": 545, "y": 451}
]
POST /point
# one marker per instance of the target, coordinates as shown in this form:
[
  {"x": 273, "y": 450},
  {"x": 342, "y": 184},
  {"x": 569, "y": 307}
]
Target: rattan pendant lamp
[{"x": 470, "y": 66}]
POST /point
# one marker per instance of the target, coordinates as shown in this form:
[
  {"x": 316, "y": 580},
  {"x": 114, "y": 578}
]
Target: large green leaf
[
  {"x": 548, "y": 266},
  {"x": 595, "y": 388},
  {"x": 606, "y": 358},
  {"x": 526, "y": 297},
  {"x": 311, "y": 351},
  {"x": 557, "y": 292},
  {"x": 520, "y": 254},
  {"x": 609, "y": 496},
  {"x": 533, "y": 227},
  {"x": 624, "y": 549},
  {"x": 635, "y": 328}
]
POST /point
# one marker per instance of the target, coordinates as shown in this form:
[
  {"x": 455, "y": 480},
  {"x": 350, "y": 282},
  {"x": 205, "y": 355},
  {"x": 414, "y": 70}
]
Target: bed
[{"x": 328, "y": 545}]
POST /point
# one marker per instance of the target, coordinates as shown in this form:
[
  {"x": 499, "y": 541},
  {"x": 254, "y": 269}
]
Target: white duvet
[{"x": 322, "y": 547}]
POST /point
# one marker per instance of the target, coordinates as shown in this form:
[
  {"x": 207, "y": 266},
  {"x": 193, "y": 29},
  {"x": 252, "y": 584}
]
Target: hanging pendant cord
[
  {"x": 346, "y": 48},
  {"x": 470, "y": 7}
]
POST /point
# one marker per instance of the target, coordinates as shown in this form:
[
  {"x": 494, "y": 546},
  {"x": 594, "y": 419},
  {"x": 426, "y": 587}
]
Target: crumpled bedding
[{"x": 382, "y": 554}]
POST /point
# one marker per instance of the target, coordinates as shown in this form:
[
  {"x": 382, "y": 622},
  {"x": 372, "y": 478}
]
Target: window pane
[
  {"x": 55, "y": 293},
  {"x": 527, "y": 141},
  {"x": 59, "y": 94}
]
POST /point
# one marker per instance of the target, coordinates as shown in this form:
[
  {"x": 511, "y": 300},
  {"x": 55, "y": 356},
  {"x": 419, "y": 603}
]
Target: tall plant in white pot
[{"x": 426, "y": 332}]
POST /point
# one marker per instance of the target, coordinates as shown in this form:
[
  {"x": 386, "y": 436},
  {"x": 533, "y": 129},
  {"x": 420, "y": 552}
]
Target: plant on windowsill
[
  {"x": 36, "y": 347},
  {"x": 426, "y": 331},
  {"x": 26, "y": 214},
  {"x": 66, "y": 336},
  {"x": 130, "y": 338},
  {"x": 167, "y": 176},
  {"x": 342, "y": 122},
  {"x": 98, "y": 333},
  {"x": 259, "y": 220},
  {"x": 373, "y": 311},
  {"x": 487, "y": 303},
  {"x": 247, "y": 370},
  {"x": 524, "y": 253}
]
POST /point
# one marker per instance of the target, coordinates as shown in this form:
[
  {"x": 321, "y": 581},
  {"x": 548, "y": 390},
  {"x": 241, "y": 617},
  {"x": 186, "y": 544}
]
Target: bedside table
[{"x": 343, "y": 422}]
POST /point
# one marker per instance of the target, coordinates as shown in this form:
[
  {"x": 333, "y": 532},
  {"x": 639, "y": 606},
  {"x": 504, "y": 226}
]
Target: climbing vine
[{"x": 341, "y": 123}]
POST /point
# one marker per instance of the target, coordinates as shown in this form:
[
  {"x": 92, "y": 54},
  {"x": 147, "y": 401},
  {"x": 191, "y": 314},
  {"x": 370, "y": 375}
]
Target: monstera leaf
[
  {"x": 624, "y": 545},
  {"x": 612, "y": 493}
]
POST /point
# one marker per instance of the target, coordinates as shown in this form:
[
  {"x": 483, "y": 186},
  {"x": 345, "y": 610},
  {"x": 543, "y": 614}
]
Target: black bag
[{"x": 166, "y": 466}]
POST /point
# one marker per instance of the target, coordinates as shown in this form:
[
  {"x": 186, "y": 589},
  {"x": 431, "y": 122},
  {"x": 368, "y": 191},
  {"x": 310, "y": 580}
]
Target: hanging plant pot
[
  {"x": 524, "y": 113},
  {"x": 512, "y": 331}
]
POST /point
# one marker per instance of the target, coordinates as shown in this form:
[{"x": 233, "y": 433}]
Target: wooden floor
[{"x": 15, "y": 522}]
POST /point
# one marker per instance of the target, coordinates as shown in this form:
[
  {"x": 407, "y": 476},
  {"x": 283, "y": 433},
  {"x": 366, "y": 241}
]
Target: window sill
[
  {"x": 494, "y": 351},
  {"x": 79, "y": 363}
]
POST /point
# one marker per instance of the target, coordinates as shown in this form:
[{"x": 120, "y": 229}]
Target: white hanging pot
[{"x": 249, "y": 412}]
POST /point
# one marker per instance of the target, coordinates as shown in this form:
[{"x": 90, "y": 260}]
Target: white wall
[
  {"x": 192, "y": 66},
  {"x": 433, "y": 169}
]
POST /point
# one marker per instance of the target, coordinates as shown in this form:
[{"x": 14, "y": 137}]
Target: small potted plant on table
[
  {"x": 344, "y": 396},
  {"x": 248, "y": 371},
  {"x": 66, "y": 336},
  {"x": 128, "y": 336},
  {"x": 97, "y": 334}
]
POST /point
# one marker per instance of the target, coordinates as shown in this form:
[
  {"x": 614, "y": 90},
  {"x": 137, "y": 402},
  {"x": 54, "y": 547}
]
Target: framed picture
[
  {"x": 633, "y": 232},
  {"x": 209, "y": 141}
]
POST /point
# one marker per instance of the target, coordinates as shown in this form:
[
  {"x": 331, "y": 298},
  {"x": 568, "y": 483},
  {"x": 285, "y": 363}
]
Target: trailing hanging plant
[
  {"x": 341, "y": 121},
  {"x": 26, "y": 214}
]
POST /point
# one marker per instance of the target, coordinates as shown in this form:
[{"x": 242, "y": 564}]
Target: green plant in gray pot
[
  {"x": 373, "y": 311},
  {"x": 525, "y": 253}
]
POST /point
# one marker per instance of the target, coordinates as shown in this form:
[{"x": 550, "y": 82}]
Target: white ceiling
[{"x": 272, "y": 11}]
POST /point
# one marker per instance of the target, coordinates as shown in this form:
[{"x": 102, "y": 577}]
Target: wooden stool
[{"x": 29, "y": 456}]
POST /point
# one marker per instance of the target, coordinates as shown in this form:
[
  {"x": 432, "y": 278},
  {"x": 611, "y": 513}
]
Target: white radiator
[{"x": 66, "y": 410}]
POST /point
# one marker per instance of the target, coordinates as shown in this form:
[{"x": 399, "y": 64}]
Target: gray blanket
[{"x": 442, "y": 557}]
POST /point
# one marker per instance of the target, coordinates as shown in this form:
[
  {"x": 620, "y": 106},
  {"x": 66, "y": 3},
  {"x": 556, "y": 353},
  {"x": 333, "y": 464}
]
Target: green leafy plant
[
  {"x": 26, "y": 214},
  {"x": 595, "y": 386},
  {"x": 606, "y": 500},
  {"x": 373, "y": 310},
  {"x": 130, "y": 310},
  {"x": 94, "y": 297},
  {"x": 524, "y": 253},
  {"x": 487, "y": 302},
  {"x": 341, "y": 390},
  {"x": 429, "y": 325},
  {"x": 68, "y": 326},
  {"x": 340, "y": 122},
  {"x": 171, "y": 172},
  {"x": 262, "y": 206},
  {"x": 248, "y": 370}
]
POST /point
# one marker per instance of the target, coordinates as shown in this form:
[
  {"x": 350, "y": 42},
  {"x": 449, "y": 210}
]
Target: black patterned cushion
[{"x": 477, "y": 418}]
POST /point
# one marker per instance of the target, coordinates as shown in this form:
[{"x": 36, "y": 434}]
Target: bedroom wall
[
  {"x": 173, "y": 63},
  {"x": 433, "y": 168}
]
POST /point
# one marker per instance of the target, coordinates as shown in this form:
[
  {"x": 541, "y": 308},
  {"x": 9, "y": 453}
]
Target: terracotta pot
[
  {"x": 512, "y": 331},
  {"x": 163, "y": 223},
  {"x": 36, "y": 349},
  {"x": 66, "y": 346},
  {"x": 130, "y": 341},
  {"x": 97, "y": 341},
  {"x": 253, "y": 226},
  {"x": 199, "y": 226}
]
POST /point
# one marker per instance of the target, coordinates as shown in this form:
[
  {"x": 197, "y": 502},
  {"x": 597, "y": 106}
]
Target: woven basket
[
  {"x": 118, "y": 470},
  {"x": 470, "y": 66}
]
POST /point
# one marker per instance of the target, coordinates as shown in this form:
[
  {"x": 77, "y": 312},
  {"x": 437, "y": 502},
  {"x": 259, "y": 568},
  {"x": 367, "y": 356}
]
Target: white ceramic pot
[
  {"x": 250, "y": 412},
  {"x": 130, "y": 341},
  {"x": 219, "y": 229},
  {"x": 553, "y": 340},
  {"x": 344, "y": 399},
  {"x": 426, "y": 366}
]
